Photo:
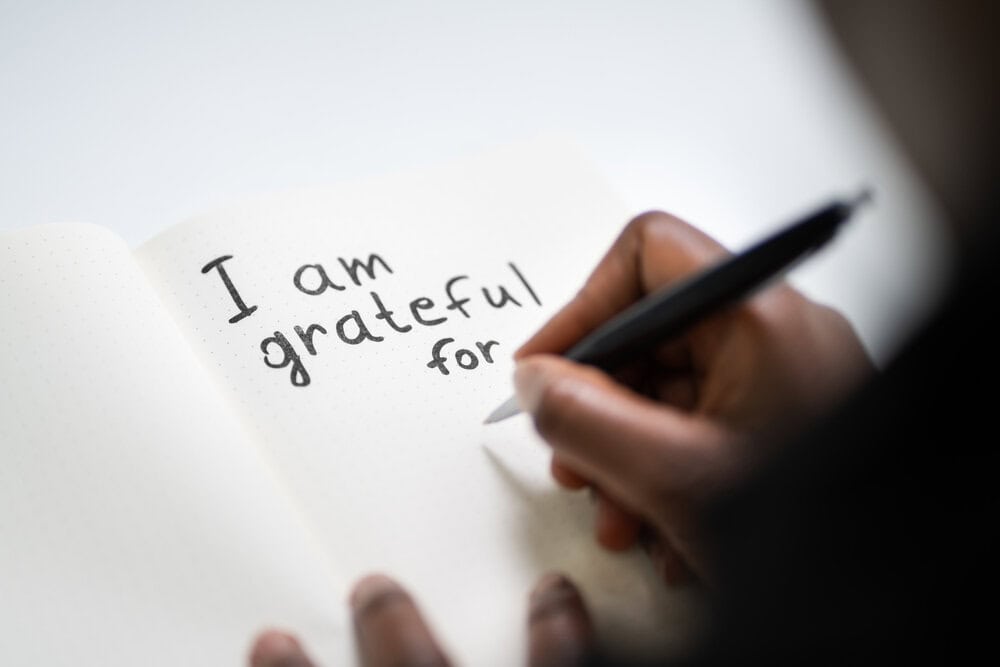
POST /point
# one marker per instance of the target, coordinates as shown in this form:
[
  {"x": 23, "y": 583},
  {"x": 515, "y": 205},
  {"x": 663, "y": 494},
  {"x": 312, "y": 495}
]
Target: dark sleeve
[{"x": 871, "y": 536}]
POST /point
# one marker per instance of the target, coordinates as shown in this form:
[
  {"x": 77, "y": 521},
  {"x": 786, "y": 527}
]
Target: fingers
[
  {"x": 616, "y": 529},
  {"x": 560, "y": 633},
  {"x": 668, "y": 563},
  {"x": 653, "y": 250},
  {"x": 390, "y": 630},
  {"x": 633, "y": 449},
  {"x": 566, "y": 476},
  {"x": 278, "y": 649}
]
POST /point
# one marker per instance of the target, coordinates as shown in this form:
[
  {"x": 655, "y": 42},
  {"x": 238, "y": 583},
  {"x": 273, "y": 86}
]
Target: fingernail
[
  {"x": 529, "y": 383},
  {"x": 548, "y": 586},
  {"x": 277, "y": 648},
  {"x": 369, "y": 588}
]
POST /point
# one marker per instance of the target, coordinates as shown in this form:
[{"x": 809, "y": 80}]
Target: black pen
[{"x": 668, "y": 312}]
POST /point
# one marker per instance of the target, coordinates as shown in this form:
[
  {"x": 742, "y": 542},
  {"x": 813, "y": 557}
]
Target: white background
[{"x": 733, "y": 114}]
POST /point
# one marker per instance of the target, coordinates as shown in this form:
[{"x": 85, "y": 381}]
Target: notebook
[{"x": 220, "y": 430}]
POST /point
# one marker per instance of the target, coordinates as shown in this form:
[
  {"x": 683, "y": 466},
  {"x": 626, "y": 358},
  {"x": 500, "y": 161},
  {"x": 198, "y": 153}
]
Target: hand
[
  {"x": 391, "y": 632},
  {"x": 657, "y": 440}
]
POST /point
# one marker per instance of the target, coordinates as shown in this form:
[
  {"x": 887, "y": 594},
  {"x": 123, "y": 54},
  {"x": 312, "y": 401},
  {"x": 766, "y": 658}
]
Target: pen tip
[
  {"x": 864, "y": 197},
  {"x": 508, "y": 408}
]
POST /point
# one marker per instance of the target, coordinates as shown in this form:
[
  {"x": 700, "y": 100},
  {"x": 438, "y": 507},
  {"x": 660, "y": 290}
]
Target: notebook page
[
  {"x": 366, "y": 331},
  {"x": 137, "y": 524}
]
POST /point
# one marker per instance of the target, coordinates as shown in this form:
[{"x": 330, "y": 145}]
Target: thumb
[{"x": 637, "y": 450}]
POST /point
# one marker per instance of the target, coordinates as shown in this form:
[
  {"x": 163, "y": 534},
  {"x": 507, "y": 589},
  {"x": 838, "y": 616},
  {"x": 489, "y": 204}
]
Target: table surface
[{"x": 734, "y": 115}]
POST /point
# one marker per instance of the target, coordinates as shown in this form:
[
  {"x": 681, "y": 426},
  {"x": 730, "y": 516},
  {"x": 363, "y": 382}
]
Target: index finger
[
  {"x": 390, "y": 629},
  {"x": 560, "y": 633},
  {"x": 653, "y": 250}
]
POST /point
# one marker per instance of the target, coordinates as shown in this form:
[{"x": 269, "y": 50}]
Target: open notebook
[{"x": 220, "y": 430}]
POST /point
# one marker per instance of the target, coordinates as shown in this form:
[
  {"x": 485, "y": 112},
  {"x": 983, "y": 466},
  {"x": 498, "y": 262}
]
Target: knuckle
[
  {"x": 641, "y": 223},
  {"x": 653, "y": 226},
  {"x": 659, "y": 229}
]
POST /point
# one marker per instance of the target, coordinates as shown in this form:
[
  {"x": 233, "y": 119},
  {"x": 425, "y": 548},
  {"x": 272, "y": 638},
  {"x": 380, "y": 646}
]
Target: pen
[{"x": 669, "y": 311}]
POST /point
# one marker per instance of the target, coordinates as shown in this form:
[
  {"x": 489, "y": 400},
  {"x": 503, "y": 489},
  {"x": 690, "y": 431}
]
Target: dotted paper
[{"x": 137, "y": 521}]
